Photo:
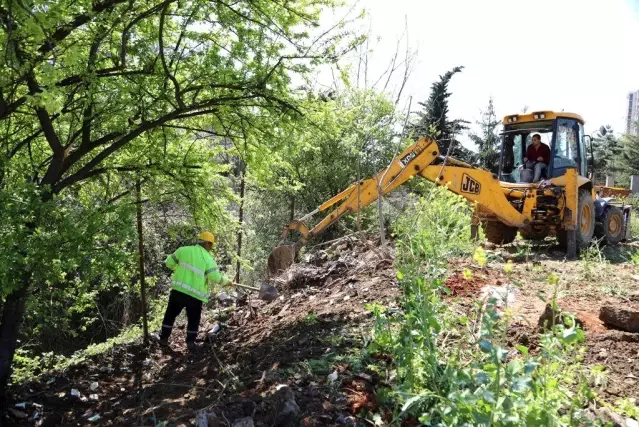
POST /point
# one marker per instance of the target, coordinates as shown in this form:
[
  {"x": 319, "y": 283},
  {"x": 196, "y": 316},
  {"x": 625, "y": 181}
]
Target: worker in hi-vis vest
[{"x": 192, "y": 267}]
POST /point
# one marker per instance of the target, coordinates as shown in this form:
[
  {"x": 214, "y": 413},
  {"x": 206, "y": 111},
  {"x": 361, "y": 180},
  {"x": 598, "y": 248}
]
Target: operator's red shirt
[{"x": 532, "y": 153}]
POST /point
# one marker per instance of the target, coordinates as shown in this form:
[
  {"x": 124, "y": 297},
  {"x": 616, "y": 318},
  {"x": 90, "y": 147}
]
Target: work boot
[{"x": 164, "y": 342}]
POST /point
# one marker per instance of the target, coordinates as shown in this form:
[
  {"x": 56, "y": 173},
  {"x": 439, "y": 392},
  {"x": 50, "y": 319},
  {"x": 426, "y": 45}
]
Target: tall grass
[{"x": 457, "y": 369}]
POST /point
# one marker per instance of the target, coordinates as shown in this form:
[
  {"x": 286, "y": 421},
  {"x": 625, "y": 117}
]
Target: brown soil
[
  {"x": 583, "y": 290},
  {"x": 264, "y": 345},
  {"x": 314, "y": 330}
]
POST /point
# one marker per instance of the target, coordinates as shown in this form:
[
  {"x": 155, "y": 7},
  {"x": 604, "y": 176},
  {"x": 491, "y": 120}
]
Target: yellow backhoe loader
[{"x": 564, "y": 203}]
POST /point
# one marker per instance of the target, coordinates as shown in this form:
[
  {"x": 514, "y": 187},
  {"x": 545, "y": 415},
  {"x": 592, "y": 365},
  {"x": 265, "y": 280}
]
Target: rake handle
[{"x": 245, "y": 286}]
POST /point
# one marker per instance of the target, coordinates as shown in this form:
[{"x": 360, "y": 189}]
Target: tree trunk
[
  {"x": 241, "y": 222},
  {"x": 292, "y": 213},
  {"x": 12, "y": 315},
  {"x": 138, "y": 200}
]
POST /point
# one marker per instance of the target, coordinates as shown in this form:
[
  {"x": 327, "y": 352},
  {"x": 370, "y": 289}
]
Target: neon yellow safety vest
[{"x": 192, "y": 266}]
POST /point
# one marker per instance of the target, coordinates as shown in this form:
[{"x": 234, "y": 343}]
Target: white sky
[{"x": 576, "y": 55}]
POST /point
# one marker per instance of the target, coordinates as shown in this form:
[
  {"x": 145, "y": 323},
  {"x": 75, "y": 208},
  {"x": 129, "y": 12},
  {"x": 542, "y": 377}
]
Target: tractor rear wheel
[
  {"x": 610, "y": 230},
  {"x": 499, "y": 233},
  {"x": 585, "y": 222}
]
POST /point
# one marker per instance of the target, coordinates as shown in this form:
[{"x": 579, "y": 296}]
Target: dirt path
[{"x": 313, "y": 330}]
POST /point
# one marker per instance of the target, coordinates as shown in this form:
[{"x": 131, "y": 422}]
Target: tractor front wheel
[
  {"x": 585, "y": 222},
  {"x": 499, "y": 233},
  {"x": 610, "y": 229}
]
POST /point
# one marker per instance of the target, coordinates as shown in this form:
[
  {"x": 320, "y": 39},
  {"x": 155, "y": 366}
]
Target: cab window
[
  {"x": 584, "y": 155},
  {"x": 566, "y": 154}
]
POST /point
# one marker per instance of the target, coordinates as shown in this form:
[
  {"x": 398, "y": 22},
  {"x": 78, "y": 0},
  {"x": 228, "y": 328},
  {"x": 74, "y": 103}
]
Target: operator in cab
[{"x": 537, "y": 157}]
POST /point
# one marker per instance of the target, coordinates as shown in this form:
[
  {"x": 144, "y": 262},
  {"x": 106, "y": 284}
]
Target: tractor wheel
[
  {"x": 610, "y": 230},
  {"x": 585, "y": 222},
  {"x": 537, "y": 233},
  {"x": 499, "y": 233}
]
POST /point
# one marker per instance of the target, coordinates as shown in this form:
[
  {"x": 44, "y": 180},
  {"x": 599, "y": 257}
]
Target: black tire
[
  {"x": 499, "y": 233},
  {"x": 610, "y": 229},
  {"x": 585, "y": 222},
  {"x": 538, "y": 233}
]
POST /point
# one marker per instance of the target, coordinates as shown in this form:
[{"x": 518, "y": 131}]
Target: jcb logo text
[{"x": 470, "y": 185}]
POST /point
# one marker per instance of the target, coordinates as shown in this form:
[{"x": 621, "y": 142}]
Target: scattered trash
[
  {"x": 333, "y": 376},
  {"x": 365, "y": 377},
  {"x": 215, "y": 330},
  {"x": 504, "y": 295},
  {"x": 22, "y": 405},
  {"x": 93, "y": 386},
  {"x": 75, "y": 393},
  {"x": 106, "y": 369},
  {"x": 50, "y": 381},
  {"x": 94, "y": 418},
  {"x": 147, "y": 362},
  {"x": 93, "y": 396}
]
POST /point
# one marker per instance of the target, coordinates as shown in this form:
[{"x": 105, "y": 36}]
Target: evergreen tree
[
  {"x": 433, "y": 120},
  {"x": 607, "y": 150},
  {"x": 628, "y": 158},
  {"x": 487, "y": 141}
]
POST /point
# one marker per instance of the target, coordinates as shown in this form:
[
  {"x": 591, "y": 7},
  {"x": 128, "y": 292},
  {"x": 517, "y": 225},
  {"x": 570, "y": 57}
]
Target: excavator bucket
[{"x": 283, "y": 256}]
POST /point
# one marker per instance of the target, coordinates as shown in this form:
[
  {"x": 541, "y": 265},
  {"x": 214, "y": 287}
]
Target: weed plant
[{"x": 460, "y": 370}]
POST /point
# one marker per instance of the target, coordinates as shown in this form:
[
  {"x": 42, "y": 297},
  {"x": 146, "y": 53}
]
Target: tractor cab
[{"x": 563, "y": 133}]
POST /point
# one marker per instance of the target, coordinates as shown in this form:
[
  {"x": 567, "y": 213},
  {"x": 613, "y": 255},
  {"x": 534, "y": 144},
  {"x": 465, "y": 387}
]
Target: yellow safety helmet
[{"x": 207, "y": 236}]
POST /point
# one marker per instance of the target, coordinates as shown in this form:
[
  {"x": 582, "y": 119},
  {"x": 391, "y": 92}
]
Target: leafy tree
[
  {"x": 93, "y": 92},
  {"x": 433, "y": 120},
  {"x": 353, "y": 129},
  {"x": 487, "y": 141},
  {"x": 628, "y": 159},
  {"x": 607, "y": 149}
]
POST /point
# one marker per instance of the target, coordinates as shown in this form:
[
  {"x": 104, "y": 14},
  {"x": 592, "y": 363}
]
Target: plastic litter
[
  {"x": 333, "y": 377},
  {"x": 94, "y": 386},
  {"x": 94, "y": 418}
]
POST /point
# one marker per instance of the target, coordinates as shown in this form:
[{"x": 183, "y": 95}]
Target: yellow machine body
[{"x": 562, "y": 205}]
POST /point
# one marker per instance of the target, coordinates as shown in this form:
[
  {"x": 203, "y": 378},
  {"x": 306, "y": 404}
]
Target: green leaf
[{"x": 486, "y": 346}]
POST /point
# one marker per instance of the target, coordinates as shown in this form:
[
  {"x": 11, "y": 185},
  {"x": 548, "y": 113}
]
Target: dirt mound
[
  {"x": 303, "y": 340},
  {"x": 623, "y": 318}
]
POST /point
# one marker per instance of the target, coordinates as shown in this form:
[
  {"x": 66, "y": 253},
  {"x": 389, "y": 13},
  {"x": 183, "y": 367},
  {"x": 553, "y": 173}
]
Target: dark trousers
[{"x": 178, "y": 301}]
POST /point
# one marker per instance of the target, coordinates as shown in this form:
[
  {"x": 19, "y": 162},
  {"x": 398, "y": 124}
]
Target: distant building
[{"x": 633, "y": 113}]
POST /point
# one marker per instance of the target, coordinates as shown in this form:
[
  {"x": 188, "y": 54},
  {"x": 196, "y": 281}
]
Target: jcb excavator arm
[{"x": 419, "y": 159}]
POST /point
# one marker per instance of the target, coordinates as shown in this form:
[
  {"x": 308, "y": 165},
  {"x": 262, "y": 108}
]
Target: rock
[
  {"x": 207, "y": 419},
  {"x": 214, "y": 421},
  {"x": 288, "y": 411},
  {"x": 549, "y": 317},
  {"x": 244, "y": 422},
  {"x": 622, "y": 318},
  {"x": 18, "y": 414},
  {"x": 607, "y": 416}
]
